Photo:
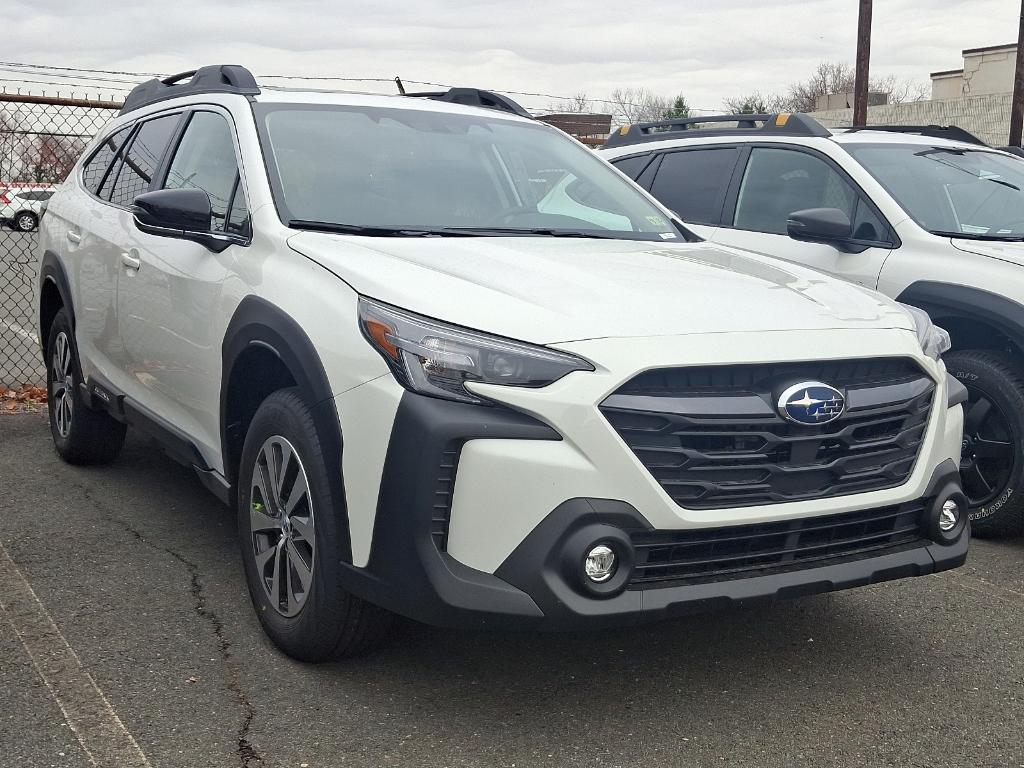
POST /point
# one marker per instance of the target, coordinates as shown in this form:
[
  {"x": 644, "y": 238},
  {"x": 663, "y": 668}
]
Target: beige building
[{"x": 986, "y": 71}]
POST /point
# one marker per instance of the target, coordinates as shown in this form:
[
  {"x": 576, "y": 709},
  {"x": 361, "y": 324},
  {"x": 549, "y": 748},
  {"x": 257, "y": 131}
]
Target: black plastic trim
[
  {"x": 950, "y": 132},
  {"x": 407, "y": 572},
  {"x": 475, "y": 97},
  {"x": 258, "y": 322},
  {"x": 100, "y": 395},
  {"x": 218, "y": 78},
  {"x": 942, "y": 300},
  {"x": 52, "y": 270},
  {"x": 956, "y": 391},
  {"x": 793, "y": 124}
]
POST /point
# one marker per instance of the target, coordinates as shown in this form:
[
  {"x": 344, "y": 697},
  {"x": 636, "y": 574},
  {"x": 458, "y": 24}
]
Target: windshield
[
  {"x": 968, "y": 193},
  {"x": 404, "y": 171}
]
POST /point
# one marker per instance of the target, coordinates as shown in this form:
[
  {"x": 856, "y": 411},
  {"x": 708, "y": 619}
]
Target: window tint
[
  {"x": 631, "y": 166},
  {"x": 94, "y": 170},
  {"x": 138, "y": 166},
  {"x": 693, "y": 183},
  {"x": 778, "y": 182},
  {"x": 205, "y": 159}
]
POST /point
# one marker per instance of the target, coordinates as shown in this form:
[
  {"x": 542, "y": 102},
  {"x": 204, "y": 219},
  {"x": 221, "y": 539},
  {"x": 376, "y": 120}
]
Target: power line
[{"x": 331, "y": 78}]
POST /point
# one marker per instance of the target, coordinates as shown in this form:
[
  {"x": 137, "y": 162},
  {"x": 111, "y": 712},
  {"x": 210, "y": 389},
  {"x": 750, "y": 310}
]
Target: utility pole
[
  {"x": 860, "y": 83},
  {"x": 1017, "y": 106}
]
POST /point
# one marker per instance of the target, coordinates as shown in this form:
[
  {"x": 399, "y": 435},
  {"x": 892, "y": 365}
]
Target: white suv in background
[
  {"x": 929, "y": 215},
  {"x": 22, "y": 207},
  {"x": 431, "y": 386}
]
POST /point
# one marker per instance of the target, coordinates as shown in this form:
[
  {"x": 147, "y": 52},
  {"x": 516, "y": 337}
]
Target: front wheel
[
  {"x": 291, "y": 536},
  {"x": 992, "y": 451}
]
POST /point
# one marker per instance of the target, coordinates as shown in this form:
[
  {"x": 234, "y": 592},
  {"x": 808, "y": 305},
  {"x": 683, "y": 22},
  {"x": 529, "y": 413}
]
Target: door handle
[
  {"x": 74, "y": 237},
  {"x": 130, "y": 261}
]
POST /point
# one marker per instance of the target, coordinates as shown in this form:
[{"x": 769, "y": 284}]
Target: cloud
[{"x": 707, "y": 51}]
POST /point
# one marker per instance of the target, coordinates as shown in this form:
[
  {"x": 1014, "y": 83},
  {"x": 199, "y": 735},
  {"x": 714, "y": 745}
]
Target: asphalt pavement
[{"x": 151, "y": 635}]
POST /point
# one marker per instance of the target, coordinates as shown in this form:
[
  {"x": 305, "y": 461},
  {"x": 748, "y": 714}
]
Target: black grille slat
[
  {"x": 665, "y": 558},
  {"x": 706, "y": 460},
  {"x": 444, "y": 490}
]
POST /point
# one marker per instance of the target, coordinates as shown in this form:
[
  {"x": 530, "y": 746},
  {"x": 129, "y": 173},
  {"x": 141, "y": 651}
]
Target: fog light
[
  {"x": 949, "y": 517},
  {"x": 600, "y": 563}
]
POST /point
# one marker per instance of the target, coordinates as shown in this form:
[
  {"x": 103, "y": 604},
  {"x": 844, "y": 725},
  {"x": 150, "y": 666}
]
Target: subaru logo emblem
[{"x": 811, "y": 402}]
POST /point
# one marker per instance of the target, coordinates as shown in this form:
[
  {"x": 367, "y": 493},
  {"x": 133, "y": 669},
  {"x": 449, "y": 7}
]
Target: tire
[
  {"x": 306, "y": 611},
  {"x": 25, "y": 221},
  {"x": 80, "y": 435},
  {"x": 992, "y": 463}
]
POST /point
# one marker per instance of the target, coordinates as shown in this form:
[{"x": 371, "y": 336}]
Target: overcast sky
[{"x": 706, "y": 50}]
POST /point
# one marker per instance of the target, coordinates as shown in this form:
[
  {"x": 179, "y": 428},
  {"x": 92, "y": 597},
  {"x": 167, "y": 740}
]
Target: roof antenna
[{"x": 401, "y": 88}]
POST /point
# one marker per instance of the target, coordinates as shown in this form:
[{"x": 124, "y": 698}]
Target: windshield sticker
[{"x": 667, "y": 235}]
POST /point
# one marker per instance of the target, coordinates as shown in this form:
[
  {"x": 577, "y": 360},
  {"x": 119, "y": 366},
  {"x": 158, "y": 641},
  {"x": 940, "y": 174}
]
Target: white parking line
[
  {"x": 97, "y": 727},
  {"x": 18, "y": 330}
]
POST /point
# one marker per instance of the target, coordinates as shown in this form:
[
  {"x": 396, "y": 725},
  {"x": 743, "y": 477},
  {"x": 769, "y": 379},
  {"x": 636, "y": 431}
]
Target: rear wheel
[
  {"x": 992, "y": 455},
  {"x": 291, "y": 539},
  {"x": 81, "y": 435}
]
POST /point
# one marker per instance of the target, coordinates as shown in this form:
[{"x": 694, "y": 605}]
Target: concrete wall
[
  {"x": 987, "y": 117},
  {"x": 948, "y": 85},
  {"x": 988, "y": 72}
]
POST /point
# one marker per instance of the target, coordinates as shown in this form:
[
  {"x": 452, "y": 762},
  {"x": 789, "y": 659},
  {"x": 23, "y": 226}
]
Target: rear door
[
  {"x": 693, "y": 183},
  {"x": 777, "y": 180},
  {"x": 106, "y": 235}
]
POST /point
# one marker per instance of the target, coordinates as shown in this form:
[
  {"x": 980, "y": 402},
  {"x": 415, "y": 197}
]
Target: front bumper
[{"x": 411, "y": 571}]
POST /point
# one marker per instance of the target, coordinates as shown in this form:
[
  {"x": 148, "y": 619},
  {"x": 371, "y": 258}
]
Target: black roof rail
[
  {"x": 474, "y": 97},
  {"x": 951, "y": 132},
  {"x": 1013, "y": 151},
  {"x": 781, "y": 124},
  {"x": 217, "y": 78}
]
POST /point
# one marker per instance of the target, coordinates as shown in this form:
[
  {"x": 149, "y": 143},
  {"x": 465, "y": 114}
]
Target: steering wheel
[{"x": 505, "y": 217}]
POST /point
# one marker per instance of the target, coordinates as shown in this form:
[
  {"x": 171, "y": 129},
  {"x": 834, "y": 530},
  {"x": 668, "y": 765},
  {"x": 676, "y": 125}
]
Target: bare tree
[
  {"x": 48, "y": 159},
  {"x": 828, "y": 77},
  {"x": 756, "y": 103},
  {"x": 901, "y": 90},
  {"x": 638, "y": 105},
  {"x": 580, "y": 103}
]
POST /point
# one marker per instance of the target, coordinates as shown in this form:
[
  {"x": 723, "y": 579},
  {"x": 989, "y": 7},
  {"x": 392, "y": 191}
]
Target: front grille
[
  {"x": 712, "y": 436},
  {"x": 669, "y": 558},
  {"x": 441, "y": 511}
]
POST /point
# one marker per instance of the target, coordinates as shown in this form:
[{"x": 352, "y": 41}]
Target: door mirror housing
[
  {"x": 185, "y": 214},
  {"x": 819, "y": 225}
]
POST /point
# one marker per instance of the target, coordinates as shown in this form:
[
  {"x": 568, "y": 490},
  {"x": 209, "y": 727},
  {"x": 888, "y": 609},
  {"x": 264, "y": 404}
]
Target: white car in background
[
  {"x": 22, "y": 207},
  {"x": 929, "y": 215}
]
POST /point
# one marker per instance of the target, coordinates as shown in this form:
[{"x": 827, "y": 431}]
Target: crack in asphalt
[{"x": 248, "y": 755}]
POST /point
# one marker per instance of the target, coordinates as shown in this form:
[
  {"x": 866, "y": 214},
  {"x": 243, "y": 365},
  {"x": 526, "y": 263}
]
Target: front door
[{"x": 169, "y": 295}]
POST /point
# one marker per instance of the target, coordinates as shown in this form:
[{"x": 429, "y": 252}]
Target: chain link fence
[{"x": 40, "y": 140}]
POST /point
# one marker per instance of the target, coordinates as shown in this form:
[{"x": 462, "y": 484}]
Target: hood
[
  {"x": 546, "y": 290},
  {"x": 1011, "y": 252}
]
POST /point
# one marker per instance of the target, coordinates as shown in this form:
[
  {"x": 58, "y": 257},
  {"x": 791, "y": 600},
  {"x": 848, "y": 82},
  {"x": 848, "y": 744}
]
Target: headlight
[
  {"x": 437, "y": 359},
  {"x": 934, "y": 340}
]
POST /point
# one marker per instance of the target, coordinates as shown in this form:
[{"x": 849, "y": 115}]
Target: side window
[
  {"x": 778, "y": 182},
  {"x": 205, "y": 159},
  {"x": 693, "y": 183},
  {"x": 867, "y": 225},
  {"x": 138, "y": 165},
  {"x": 96, "y": 167},
  {"x": 631, "y": 166}
]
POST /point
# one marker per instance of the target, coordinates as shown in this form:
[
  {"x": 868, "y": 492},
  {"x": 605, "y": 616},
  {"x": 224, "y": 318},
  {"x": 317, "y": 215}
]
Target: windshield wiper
[
  {"x": 372, "y": 231},
  {"x": 972, "y": 236}
]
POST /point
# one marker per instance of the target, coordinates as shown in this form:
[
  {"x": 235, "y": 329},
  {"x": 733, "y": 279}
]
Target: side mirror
[
  {"x": 819, "y": 225},
  {"x": 182, "y": 213}
]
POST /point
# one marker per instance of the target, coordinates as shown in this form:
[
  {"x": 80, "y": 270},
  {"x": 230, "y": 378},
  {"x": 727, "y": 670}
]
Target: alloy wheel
[
  {"x": 282, "y": 526},
  {"x": 62, "y": 385},
  {"x": 987, "y": 451},
  {"x": 26, "y": 222}
]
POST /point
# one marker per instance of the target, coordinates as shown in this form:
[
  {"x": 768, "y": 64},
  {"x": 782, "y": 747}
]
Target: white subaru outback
[
  {"x": 449, "y": 364},
  {"x": 929, "y": 215}
]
